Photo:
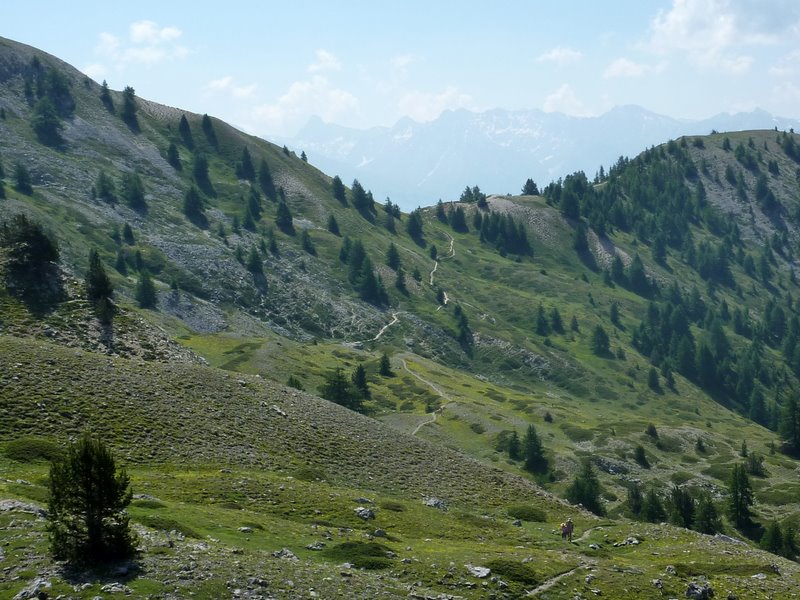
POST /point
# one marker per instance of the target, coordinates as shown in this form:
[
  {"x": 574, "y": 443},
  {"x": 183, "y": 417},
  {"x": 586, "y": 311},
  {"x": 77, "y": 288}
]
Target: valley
[{"x": 644, "y": 323}]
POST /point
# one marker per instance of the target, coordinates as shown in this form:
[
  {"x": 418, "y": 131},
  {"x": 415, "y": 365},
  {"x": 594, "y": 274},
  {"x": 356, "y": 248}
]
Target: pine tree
[
  {"x": 339, "y": 390},
  {"x": 790, "y": 424},
  {"x": 22, "y": 180},
  {"x": 186, "y": 133},
  {"x": 254, "y": 262},
  {"x": 772, "y": 540},
  {"x": 392, "y": 257},
  {"x": 87, "y": 520},
  {"x": 556, "y": 323},
  {"x": 127, "y": 234},
  {"x": 105, "y": 98},
  {"x": 200, "y": 173},
  {"x": 414, "y": 226},
  {"x": 533, "y": 452},
  {"x": 337, "y": 188},
  {"x": 600, "y": 341},
  {"x": 706, "y": 519},
  {"x": 652, "y": 508},
  {"x": 133, "y": 191},
  {"x": 530, "y": 189},
  {"x": 681, "y": 507},
  {"x": 174, "y": 157},
  {"x": 193, "y": 208},
  {"x": 542, "y": 325},
  {"x": 105, "y": 189},
  {"x": 359, "y": 379},
  {"x": 514, "y": 446},
  {"x": 46, "y": 123},
  {"x": 245, "y": 168},
  {"x": 145, "y": 292},
  {"x": 635, "y": 500},
  {"x": 333, "y": 226},
  {"x": 585, "y": 489},
  {"x": 307, "y": 243},
  {"x": 283, "y": 219},
  {"x": 740, "y": 497},
  {"x": 385, "y": 366},
  {"x": 98, "y": 285},
  {"x": 208, "y": 129},
  {"x": 128, "y": 111},
  {"x": 265, "y": 181}
]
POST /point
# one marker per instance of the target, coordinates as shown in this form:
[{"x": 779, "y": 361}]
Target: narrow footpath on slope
[{"x": 431, "y": 415}]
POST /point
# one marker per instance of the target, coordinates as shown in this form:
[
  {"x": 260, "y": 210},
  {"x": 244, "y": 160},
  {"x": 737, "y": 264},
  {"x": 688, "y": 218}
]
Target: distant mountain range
[{"x": 417, "y": 163}]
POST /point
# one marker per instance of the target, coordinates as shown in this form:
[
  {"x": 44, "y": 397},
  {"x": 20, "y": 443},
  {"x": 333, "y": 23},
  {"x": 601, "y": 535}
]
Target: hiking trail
[{"x": 435, "y": 388}]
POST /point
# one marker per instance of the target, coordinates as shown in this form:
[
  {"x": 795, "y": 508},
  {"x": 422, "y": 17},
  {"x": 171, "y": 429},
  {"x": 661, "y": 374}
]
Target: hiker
[{"x": 566, "y": 530}]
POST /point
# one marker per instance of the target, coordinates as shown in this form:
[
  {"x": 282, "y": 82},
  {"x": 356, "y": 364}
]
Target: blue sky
[{"x": 268, "y": 66}]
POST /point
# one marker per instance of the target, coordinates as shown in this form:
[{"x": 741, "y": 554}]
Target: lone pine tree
[{"x": 88, "y": 497}]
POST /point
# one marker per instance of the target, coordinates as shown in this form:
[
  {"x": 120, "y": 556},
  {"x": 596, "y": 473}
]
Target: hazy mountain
[{"x": 418, "y": 163}]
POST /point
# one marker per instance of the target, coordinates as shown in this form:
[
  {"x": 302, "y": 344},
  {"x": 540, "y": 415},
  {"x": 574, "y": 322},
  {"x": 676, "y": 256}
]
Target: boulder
[
  {"x": 479, "y": 572},
  {"x": 697, "y": 591},
  {"x": 364, "y": 513}
]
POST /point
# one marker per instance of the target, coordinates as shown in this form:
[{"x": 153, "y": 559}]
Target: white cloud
[
  {"x": 402, "y": 61},
  {"x": 719, "y": 33},
  {"x": 787, "y": 65},
  {"x": 226, "y": 85},
  {"x": 326, "y": 61},
  {"x": 426, "y": 106},
  {"x": 220, "y": 84},
  {"x": 96, "y": 71},
  {"x": 624, "y": 67},
  {"x": 244, "y": 91},
  {"x": 147, "y": 44},
  {"x": 565, "y": 101},
  {"x": 560, "y": 55},
  {"x": 302, "y": 100}
]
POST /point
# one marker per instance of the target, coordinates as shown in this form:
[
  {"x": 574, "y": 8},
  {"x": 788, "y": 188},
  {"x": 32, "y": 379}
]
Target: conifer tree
[
  {"x": 145, "y": 292},
  {"x": 105, "y": 189},
  {"x": 127, "y": 234},
  {"x": 283, "y": 219},
  {"x": 133, "y": 191},
  {"x": 46, "y": 123},
  {"x": 585, "y": 489},
  {"x": 208, "y": 130},
  {"x": 128, "y": 111},
  {"x": 339, "y": 390},
  {"x": 307, "y": 243},
  {"x": 186, "y": 133},
  {"x": 514, "y": 446},
  {"x": 652, "y": 508},
  {"x": 22, "y": 180},
  {"x": 265, "y": 180},
  {"x": 385, "y": 366},
  {"x": 87, "y": 520},
  {"x": 740, "y": 497},
  {"x": 533, "y": 452},
  {"x": 392, "y": 257},
  {"x": 600, "y": 341},
  {"x": 193, "y": 207},
  {"x": 105, "y": 97},
  {"x": 359, "y": 379},
  {"x": 681, "y": 507},
  {"x": 706, "y": 519},
  {"x": 333, "y": 225},
  {"x": 635, "y": 500},
  {"x": 254, "y": 262},
  {"x": 245, "y": 168},
  {"x": 98, "y": 285},
  {"x": 337, "y": 188},
  {"x": 174, "y": 157}
]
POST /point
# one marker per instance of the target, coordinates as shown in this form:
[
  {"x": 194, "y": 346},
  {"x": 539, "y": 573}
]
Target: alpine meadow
[{"x": 227, "y": 374}]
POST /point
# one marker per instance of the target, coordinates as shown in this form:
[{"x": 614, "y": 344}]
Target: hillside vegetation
[{"x": 643, "y": 321}]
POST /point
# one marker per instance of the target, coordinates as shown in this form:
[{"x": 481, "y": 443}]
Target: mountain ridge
[{"x": 543, "y": 146}]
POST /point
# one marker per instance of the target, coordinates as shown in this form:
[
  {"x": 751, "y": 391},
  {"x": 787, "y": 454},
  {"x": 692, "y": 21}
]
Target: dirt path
[
  {"x": 546, "y": 585},
  {"x": 385, "y": 327},
  {"x": 554, "y": 580},
  {"x": 435, "y": 388},
  {"x": 435, "y": 266}
]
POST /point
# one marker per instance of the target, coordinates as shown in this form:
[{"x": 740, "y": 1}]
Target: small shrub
[
  {"x": 651, "y": 431},
  {"x": 32, "y": 449},
  {"x": 477, "y": 428},
  {"x": 392, "y": 506},
  {"x": 310, "y": 474},
  {"x": 362, "y": 555},
  {"x": 525, "y": 512},
  {"x": 167, "y": 524},
  {"x": 513, "y": 570},
  {"x": 149, "y": 504}
]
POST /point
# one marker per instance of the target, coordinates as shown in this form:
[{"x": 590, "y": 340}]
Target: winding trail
[
  {"x": 554, "y": 580},
  {"x": 435, "y": 266},
  {"x": 385, "y": 327},
  {"x": 546, "y": 585},
  {"x": 435, "y": 388}
]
